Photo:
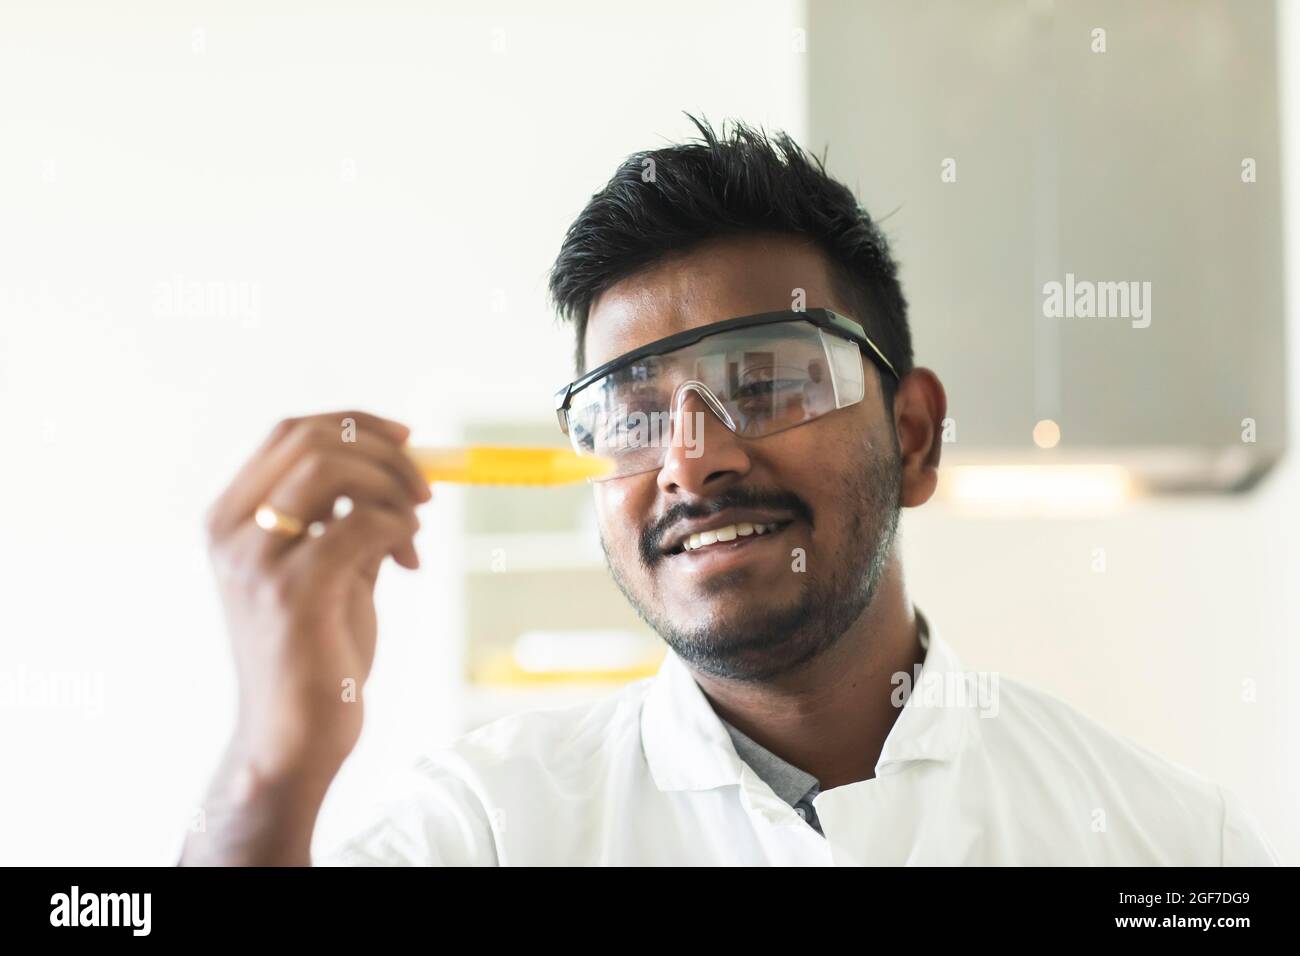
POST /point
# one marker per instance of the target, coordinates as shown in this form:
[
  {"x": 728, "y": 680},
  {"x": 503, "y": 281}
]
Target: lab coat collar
[{"x": 688, "y": 748}]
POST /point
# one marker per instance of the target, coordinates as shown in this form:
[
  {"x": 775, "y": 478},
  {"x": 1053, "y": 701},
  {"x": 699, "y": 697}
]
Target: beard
[{"x": 755, "y": 643}]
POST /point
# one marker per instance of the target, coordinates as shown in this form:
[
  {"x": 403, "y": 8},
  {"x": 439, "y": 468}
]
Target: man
[{"x": 805, "y": 712}]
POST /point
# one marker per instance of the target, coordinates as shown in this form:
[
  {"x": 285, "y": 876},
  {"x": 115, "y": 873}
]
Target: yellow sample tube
[{"x": 498, "y": 465}]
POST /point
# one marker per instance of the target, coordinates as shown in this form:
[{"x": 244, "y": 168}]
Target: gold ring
[{"x": 274, "y": 521}]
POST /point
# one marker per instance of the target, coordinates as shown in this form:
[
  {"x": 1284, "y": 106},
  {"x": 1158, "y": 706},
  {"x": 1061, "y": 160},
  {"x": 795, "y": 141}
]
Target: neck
[{"x": 830, "y": 718}]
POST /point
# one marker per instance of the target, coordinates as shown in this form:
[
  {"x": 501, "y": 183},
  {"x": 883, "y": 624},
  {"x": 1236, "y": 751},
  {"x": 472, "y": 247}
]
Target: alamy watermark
[
  {"x": 974, "y": 689},
  {"x": 129, "y": 910},
  {"x": 22, "y": 689},
  {"x": 181, "y": 298},
  {"x": 621, "y": 430},
  {"x": 1083, "y": 299}
]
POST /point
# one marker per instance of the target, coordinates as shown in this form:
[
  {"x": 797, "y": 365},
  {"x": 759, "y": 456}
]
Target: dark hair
[{"x": 739, "y": 182}]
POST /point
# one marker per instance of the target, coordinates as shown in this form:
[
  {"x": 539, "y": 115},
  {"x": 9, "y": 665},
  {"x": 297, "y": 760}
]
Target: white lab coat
[{"x": 649, "y": 776}]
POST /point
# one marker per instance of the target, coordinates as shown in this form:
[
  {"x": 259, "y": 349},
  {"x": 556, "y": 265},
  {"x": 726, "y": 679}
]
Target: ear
[{"x": 920, "y": 406}]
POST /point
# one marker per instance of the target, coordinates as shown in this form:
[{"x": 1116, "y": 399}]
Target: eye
[
  {"x": 583, "y": 440},
  {"x": 632, "y": 426},
  {"x": 765, "y": 389}
]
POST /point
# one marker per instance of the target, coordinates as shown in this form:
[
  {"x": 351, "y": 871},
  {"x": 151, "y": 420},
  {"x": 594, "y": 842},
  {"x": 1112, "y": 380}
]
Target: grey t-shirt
[{"x": 787, "y": 781}]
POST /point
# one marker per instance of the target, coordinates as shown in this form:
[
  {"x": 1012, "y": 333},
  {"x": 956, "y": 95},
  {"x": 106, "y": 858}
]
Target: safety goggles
[{"x": 759, "y": 374}]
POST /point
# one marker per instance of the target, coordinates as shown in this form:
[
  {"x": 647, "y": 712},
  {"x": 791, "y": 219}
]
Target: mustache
[{"x": 651, "y": 544}]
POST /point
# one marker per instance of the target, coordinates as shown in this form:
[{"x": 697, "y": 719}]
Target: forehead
[{"x": 719, "y": 280}]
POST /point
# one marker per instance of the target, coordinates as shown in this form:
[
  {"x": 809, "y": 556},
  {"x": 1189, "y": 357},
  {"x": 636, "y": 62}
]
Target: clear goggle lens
[{"x": 757, "y": 381}]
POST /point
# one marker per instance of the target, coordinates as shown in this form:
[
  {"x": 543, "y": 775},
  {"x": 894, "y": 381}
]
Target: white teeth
[{"x": 744, "y": 529}]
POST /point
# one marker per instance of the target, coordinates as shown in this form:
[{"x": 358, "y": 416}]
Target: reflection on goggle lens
[{"x": 757, "y": 381}]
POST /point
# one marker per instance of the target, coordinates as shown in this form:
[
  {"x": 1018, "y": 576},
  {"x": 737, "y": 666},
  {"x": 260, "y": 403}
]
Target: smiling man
[
  {"x": 742, "y": 293},
  {"x": 766, "y": 563}
]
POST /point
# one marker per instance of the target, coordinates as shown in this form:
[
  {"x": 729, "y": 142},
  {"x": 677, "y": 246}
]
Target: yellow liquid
[{"x": 498, "y": 465}]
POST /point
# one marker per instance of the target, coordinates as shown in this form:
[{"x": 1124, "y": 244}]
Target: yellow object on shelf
[
  {"x": 570, "y": 656},
  {"x": 501, "y": 465},
  {"x": 503, "y": 670}
]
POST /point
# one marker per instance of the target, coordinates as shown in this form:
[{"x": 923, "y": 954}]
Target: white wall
[
  {"x": 378, "y": 176},
  {"x": 1197, "y": 607}
]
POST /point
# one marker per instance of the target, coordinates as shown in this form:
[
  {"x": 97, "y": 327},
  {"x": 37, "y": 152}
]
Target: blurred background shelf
[
  {"x": 545, "y": 625},
  {"x": 532, "y": 551}
]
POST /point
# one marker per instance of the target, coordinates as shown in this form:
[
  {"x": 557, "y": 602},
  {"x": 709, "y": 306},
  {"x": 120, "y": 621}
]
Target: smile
[{"x": 726, "y": 533}]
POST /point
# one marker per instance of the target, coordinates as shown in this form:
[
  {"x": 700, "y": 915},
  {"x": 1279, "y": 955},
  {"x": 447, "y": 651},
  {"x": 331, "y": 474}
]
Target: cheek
[
  {"x": 807, "y": 458},
  {"x": 820, "y": 465},
  {"x": 621, "y": 510}
]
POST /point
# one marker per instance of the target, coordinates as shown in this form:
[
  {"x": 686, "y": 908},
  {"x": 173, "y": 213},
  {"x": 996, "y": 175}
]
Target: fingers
[
  {"x": 316, "y": 481},
  {"x": 376, "y": 440},
  {"x": 356, "y": 543},
  {"x": 258, "y": 566}
]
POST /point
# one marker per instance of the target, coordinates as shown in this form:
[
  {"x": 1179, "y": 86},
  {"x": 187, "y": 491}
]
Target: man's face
[{"x": 762, "y": 604}]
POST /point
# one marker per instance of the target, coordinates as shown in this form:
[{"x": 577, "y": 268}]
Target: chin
[
  {"x": 745, "y": 587},
  {"x": 736, "y": 629},
  {"x": 746, "y": 657},
  {"x": 733, "y": 612}
]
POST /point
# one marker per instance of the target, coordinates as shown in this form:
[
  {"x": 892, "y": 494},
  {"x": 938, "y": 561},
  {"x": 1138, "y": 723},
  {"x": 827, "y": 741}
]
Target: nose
[{"x": 704, "y": 455}]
